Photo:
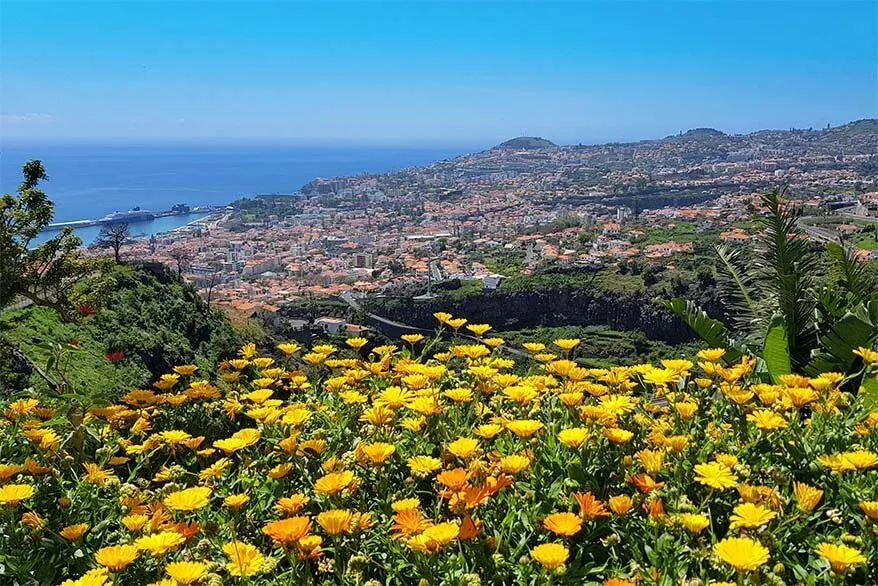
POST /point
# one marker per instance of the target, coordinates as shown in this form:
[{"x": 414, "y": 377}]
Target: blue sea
[{"x": 89, "y": 181}]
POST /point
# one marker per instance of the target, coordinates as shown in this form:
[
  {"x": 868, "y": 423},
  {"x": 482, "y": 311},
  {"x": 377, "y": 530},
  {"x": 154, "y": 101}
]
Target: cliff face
[{"x": 550, "y": 307}]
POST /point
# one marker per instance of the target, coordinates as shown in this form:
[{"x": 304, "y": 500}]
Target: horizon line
[{"x": 361, "y": 142}]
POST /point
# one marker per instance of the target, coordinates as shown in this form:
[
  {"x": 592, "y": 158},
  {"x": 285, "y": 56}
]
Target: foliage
[
  {"x": 339, "y": 466},
  {"x": 779, "y": 310},
  {"x": 153, "y": 318},
  {"x": 48, "y": 274}
]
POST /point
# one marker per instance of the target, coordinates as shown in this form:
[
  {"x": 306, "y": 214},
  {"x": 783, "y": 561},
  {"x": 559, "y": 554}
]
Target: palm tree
[{"x": 778, "y": 311}]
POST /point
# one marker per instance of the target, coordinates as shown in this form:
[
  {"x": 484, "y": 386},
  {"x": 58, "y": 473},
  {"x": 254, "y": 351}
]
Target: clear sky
[{"x": 419, "y": 72}]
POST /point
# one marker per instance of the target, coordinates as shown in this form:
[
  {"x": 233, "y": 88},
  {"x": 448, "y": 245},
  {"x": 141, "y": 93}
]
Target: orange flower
[
  {"x": 288, "y": 530},
  {"x": 645, "y": 482},
  {"x": 565, "y": 524},
  {"x": 334, "y": 482},
  {"x": 453, "y": 479},
  {"x": 589, "y": 506},
  {"x": 335, "y": 522},
  {"x": 408, "y": 522}
]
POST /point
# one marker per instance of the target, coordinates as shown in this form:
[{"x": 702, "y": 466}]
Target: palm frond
[
  {"x": 711, "y": 330},
  {"x": 789, "y": 267},
  {"x": 739, "y": 288},
  {"x": 855, "y": 278}
]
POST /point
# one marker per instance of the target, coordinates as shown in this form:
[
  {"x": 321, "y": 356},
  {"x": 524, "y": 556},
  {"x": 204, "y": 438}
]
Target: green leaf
[
  {"x": 869, "y": 390},
  {"x": 856, "y": 328},
  {"x": 776, "y": 350},
  {"x": 711, "y": 330}
]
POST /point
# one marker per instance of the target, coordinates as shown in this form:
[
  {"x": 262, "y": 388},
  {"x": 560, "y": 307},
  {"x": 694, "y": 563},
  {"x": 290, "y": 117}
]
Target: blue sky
[{"x": 421, "y": 72}]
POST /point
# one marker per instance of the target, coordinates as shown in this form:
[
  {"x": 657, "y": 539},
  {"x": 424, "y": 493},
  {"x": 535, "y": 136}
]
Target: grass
[
  {"x": 33, "y": 327},
  {"x": 603, "y": 347}
]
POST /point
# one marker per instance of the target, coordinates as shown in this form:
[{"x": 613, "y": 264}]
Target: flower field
[{"x": 445, "y": 463}]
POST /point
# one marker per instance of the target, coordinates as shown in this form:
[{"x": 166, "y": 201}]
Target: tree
[
  {"x": 181, "y": 257},
  {"x": 114, "y": 236},
  {"x": 48, "y": 274}
]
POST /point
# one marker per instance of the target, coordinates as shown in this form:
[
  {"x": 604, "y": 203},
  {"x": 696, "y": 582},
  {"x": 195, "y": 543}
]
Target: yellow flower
[
  {"x": 573, "y": 437},
  {"x": 189, "y": 499},
  {"x": 870, "y": 509},
  {"x": 288, "y": 348},
  {"x": 279, "y": 471},
  {"x": 357, "y": 342},
  {"x": 749, "y": 516},
  {"x": 550, "y": 555},
  {"x": 686, "y": 409},
  {"x": 524, "y": 427},
  {"x": 412, "y": 338},
  {"x": 94, "y": 474},
  {"x": 620, "y": 504},
  {"x": 521, "y": 394},
  {"x": 840, "y": 557},
  {"x": 117, "y": 557},
  {"x": 564, "y": 524},
  {"x": 244, "y": 559},
  {"x": 12, "y": 494},
  {"x": 378, "y": 452},
  {"x": 862, "y": 459},
  {"x": 94, "y": 577},
  {"x": 869, "y": 356},
  {"x": 186, "y": 572},
  {"x": 435, "y": 537},
  {"x": 423, "y": 465},
  {"x": 288, "y": 530},
  {"x": 567, "y": 344},
  {"x": 514, "y": 464},
  {"x": 479, "y": 329},
  {"x": 617, "y": 435},
  {"x": 715, "y": 475},
  {"x": 158, "y": 544},
  {"x": 693, "y": 522},
  {"x": 335, "y": 522},
  {"x": 459, "y": 395},
  {"x": 7, "y": 471},
  {"x": 807, "y": 497},
  {"x": 464, "y": 448},
  {"x": 74, "y": 532},
  {"x": 711, "y": 354},
  {"x": 652, "y": 460},
  {"x": 235, "y": 501},
  {"x": 334, "y": 482},
  {"x": 442, "y": 317},
  {"x": 456, "y": 323},
  {"x": 291, "y": 505},
  {"x": 767, "y": 420},
  {"x": 134, "y": 522},
  {"x": 488, "y": 430},
  {"x": 742, "y": 553}
]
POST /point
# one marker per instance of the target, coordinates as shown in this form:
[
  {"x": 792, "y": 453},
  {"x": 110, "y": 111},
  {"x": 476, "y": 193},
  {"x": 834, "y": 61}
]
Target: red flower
[{"x": 115, "y": 357}]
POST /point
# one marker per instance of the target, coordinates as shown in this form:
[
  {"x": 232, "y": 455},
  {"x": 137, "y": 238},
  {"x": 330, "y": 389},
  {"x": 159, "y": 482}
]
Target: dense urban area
[{"x": 525, "y": 207}]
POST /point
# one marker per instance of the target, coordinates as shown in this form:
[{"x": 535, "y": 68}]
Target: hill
[
  {"x": 526, "y": 143},
  {"x": 148, "y": 315}
]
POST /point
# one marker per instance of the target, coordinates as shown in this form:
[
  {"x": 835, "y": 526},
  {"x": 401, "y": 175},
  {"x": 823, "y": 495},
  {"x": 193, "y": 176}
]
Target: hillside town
[{"x": 524, "y": 205}]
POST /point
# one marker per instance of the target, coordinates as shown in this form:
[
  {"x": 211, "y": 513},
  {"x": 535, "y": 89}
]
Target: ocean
[{"x": 89, "y": 181}]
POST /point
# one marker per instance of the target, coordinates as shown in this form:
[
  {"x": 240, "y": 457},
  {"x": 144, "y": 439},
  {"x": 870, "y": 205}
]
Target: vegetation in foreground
[{"x": 403, "y": 464}]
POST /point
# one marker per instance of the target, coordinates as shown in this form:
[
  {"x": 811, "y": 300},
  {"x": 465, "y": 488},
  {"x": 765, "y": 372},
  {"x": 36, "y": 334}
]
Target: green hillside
[{"x": 148, "y": 314}]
